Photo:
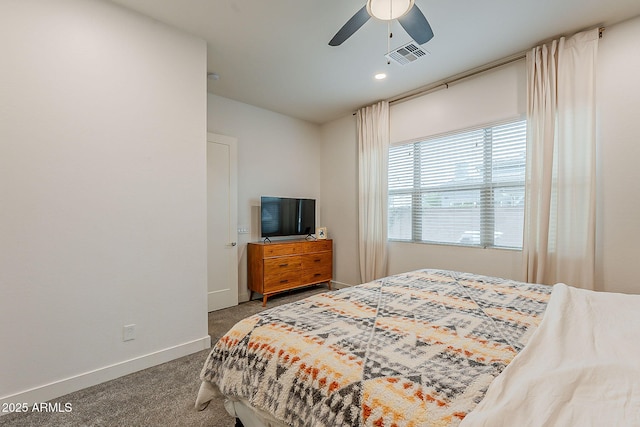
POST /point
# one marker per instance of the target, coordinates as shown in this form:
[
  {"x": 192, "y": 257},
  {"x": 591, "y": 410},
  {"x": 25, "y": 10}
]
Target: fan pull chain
[
  {"x": 389, "y": 40},
  {"x": 389, "y": 31}
]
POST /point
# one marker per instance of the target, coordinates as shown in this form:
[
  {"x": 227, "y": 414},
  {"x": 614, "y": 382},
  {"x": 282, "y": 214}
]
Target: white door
[{"x": 222, "y": 206}]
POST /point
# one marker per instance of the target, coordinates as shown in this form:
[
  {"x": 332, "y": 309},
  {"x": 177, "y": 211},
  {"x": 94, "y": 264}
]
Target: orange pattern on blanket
[
  {"x": 396, "y": 402},
  {"x": 324, "y": 366},
  {"x": 345, "y": 308},
  {"x": 239, "y": 331},
  {"x": 472, "y": 347}
]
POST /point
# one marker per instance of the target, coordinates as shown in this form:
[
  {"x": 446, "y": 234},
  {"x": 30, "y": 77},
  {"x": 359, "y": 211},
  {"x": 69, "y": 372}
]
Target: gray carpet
[{"x": 163, "y": 395}]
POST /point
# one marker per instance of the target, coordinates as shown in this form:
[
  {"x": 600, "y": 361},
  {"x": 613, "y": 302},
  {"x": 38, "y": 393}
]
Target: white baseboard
[
  {"x": 243, "y": 297},
  {"x": 56, "y": 389},
  {"x": 340, "y": 285}
]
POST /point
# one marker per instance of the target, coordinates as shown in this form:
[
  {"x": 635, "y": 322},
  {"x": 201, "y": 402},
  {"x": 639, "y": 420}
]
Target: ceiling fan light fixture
[{"x": 386, "y": 10}]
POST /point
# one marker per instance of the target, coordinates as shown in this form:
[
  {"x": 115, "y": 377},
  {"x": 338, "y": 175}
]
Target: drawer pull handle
[
  {"x": 317, "y": 260},
  {"x": 283, "y": 281},
  {"x": 284, "y": 265},
  {"x": 317, "y": 274}
]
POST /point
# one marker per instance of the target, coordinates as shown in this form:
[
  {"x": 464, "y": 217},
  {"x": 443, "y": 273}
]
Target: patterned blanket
[{"x": 414, "y": 349}]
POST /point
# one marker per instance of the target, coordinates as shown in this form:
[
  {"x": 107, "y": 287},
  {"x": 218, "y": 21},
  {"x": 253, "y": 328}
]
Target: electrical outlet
[
  {"x": 243, "y": 230},
  {"x": 128, "y": 332}
]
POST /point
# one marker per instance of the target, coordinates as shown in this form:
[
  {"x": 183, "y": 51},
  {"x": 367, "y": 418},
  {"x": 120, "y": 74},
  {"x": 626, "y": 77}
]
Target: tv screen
[{"x": 282, "y": 216}]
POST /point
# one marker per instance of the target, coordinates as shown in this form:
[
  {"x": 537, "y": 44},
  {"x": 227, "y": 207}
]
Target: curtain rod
[{"x": 462, "y": 76}]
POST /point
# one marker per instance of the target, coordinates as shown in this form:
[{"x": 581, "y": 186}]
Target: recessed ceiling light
[{"x": 380, "y": 76}]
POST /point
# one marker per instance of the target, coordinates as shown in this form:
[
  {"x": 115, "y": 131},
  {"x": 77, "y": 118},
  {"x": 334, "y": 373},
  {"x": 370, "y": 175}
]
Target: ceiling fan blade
[
  {"x": 350, "y": 27},
  {"x": 416, "y": 25}
]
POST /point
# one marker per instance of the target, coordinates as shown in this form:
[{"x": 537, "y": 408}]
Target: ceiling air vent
[{"x": 406, "y": 54}]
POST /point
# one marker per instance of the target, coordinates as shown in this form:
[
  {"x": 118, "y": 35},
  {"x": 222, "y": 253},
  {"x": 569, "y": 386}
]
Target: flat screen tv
[{"x": 283, "y": 216}]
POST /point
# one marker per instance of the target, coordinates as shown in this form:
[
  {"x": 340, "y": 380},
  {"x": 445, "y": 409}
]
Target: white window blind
[{"x": 465, "y": 188}]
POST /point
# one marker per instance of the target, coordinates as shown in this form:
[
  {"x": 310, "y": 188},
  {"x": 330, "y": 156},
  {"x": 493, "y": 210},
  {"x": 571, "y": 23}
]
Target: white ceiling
[{"x": 274, "y": 53}]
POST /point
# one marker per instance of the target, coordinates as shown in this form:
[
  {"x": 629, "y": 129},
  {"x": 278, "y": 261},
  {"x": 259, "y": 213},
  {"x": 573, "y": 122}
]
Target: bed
[{"x": 415, "y": 349}]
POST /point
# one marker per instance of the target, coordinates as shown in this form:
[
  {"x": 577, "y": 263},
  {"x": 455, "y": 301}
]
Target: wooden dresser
[{"x": 282, "y": 265}]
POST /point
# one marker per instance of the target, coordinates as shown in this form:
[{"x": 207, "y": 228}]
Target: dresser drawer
[
  {"x": 282, "y": 265},
  {"x": 278, "y": 283},
  {"x": 316, "y": 260},
  {"x": 317, "y": 267},
  {"x": 316, "y": 246},
  {"x": 316, "y": 276},
  {"x": 280, "y": 249},
  {"x": 282, "y": 272}
]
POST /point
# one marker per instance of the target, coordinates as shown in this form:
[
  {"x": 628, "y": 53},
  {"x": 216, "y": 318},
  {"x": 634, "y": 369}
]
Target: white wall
[
  {"x": 618, "y": 95},
  {"x": 618, "y": 175},
  {"x": 277, "y": 156},
  {"x": 103, "y": 188},
  {"x": 340, "y": 196},
  {"x": 483, "y": 99}
]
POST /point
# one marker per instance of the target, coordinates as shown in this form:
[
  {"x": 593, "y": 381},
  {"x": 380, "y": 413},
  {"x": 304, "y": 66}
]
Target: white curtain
[
  {"x": 559, "y": 229},
  {"x": 373, "y": 154}
]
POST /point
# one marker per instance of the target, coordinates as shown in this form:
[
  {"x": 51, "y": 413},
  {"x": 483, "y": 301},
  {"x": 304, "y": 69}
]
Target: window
[{"x": 465, "y": 188}]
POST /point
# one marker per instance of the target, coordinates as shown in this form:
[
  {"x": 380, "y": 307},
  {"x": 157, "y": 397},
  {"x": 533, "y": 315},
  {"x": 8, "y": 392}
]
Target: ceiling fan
[{"x": 405, "y": 11}]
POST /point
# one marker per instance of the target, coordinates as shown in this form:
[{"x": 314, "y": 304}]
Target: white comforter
[{"x": 580, "y": 368}]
